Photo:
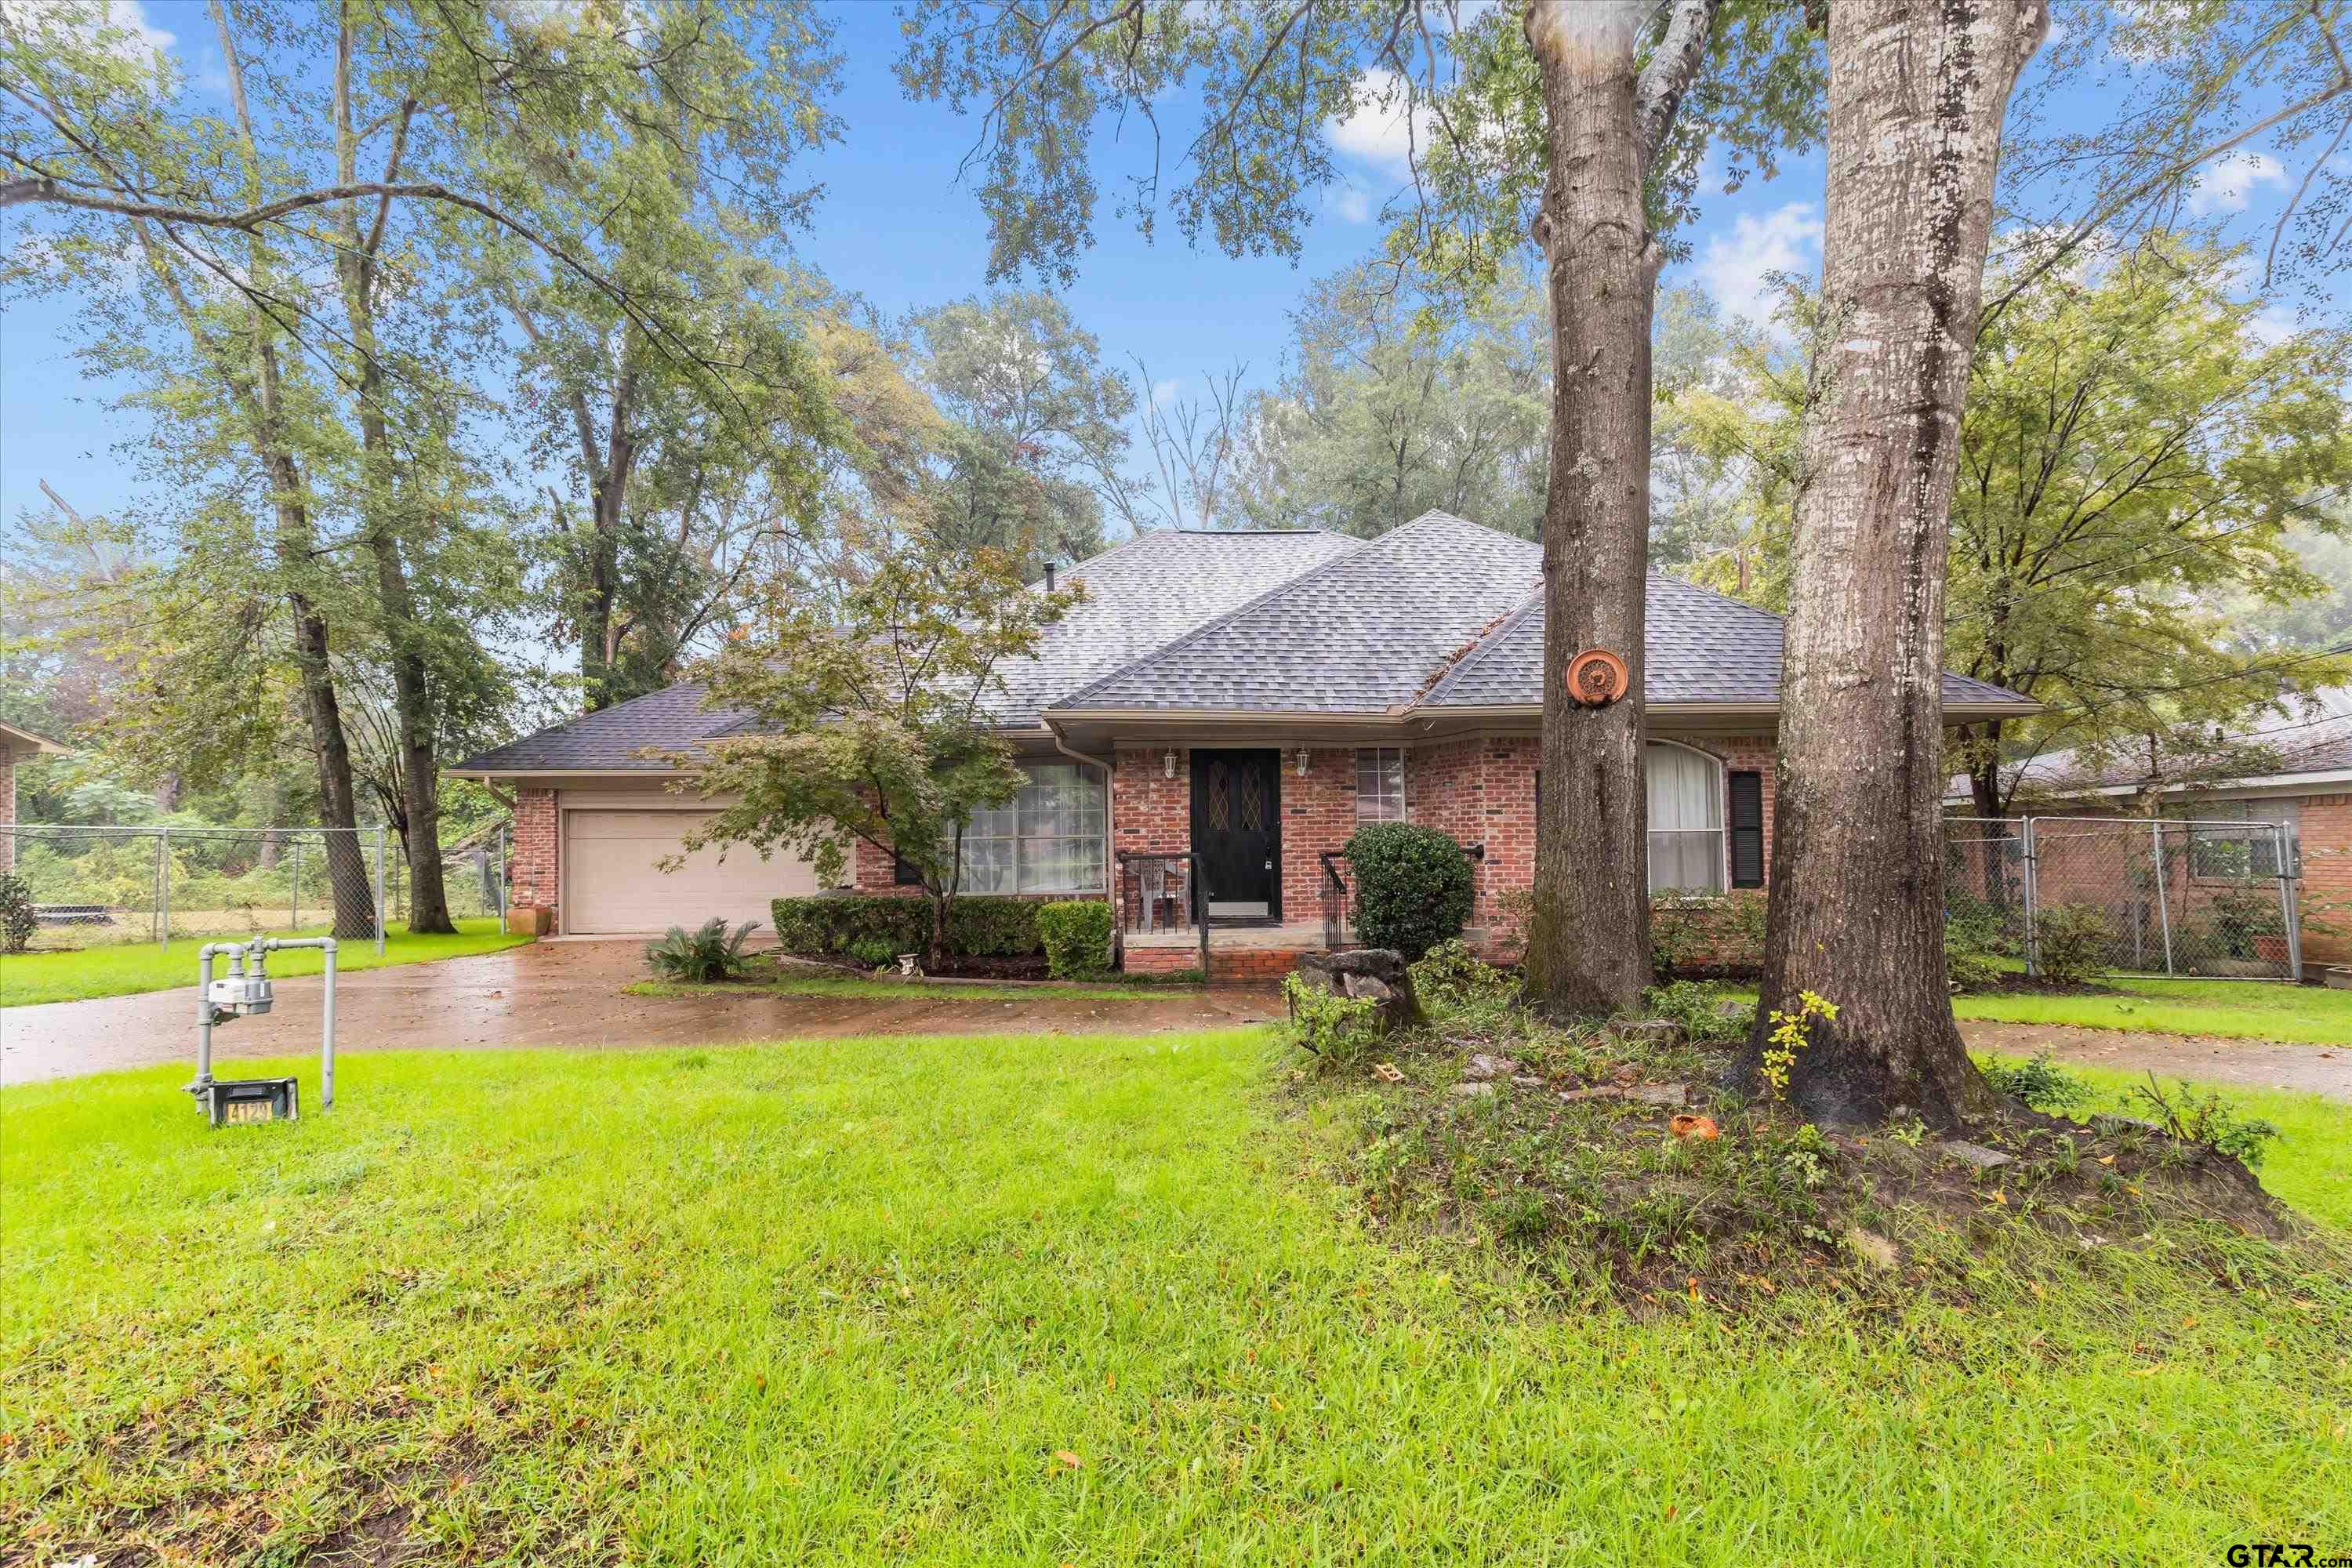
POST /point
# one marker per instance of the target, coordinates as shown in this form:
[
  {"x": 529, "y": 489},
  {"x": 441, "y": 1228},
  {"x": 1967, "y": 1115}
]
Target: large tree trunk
[
  {"x": 1589, "y": 937},
  {"x": 1917, "y": 92}
]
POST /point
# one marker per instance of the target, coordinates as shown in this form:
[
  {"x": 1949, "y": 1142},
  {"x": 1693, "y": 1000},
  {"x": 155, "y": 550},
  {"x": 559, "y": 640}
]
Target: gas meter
[{"x": 242, "y": 993}]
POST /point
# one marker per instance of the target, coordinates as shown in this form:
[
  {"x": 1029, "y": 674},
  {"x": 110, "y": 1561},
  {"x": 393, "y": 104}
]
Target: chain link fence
[
  {"x": 95, "y": 886},
  {"x": 2148, "y": 896}
]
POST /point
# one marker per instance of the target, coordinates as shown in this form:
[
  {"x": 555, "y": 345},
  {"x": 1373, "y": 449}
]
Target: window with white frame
[
  {"x": 1048, "y": 839},
  {"x": 2220, "y": 853},
  {"x": 1380, "y": 784},
  {"x": 1686, "y": 790}
]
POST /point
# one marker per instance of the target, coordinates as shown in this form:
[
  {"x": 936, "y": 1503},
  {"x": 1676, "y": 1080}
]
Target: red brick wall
[
  {"x": 2327, "y": 878},
  {"x": 1318, "y": 816},
  {"x": 7, "y": 808},
  {"x": 537, "y": 883}
]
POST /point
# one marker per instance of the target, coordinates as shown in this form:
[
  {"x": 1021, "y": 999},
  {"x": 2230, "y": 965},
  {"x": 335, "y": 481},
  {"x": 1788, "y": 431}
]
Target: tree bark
[
  {"x": 1588, "y": 936},
  {"x": 1918, "y": 89}
]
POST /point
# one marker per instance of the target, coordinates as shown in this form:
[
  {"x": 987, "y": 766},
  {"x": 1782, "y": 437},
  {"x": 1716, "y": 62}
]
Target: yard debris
[
  {"x": 1471, "y": 1090},
  {"x": 1483, "y": 1066},
  {"x": 1598, "y": 1091},
  {"x": 1527, "y": 1080},
  {"x": 1871, "y": 1247},
  {"x": 1647, "y": 1031},
  {"x": 1067, "y": 1460},
  {"x": 1659, "y": 1093},
  {"x": 1388, "y": 1072},
  {"x": 1976, "y": 1154},
  {"x": 1700, "y": 1126}
]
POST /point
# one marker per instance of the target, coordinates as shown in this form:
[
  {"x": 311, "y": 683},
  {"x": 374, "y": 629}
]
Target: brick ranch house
[
  {"x": 1249, "y": 697},
  {"x": 2307, "y": 788},
  {"x": 16, "y": 744}
]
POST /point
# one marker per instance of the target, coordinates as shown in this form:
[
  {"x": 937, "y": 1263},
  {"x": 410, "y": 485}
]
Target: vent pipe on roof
[{"x": 1049, "y": 577}]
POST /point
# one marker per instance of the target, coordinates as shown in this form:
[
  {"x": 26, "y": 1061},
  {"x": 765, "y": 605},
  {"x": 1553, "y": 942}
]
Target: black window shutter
[
  {"x": 1746, "y": 830},
  {"x": 903, "y": 873}
]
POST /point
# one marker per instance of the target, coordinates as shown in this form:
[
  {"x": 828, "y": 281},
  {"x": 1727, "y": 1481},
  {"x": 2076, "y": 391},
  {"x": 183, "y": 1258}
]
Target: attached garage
[{"x": 613, "y": 884}]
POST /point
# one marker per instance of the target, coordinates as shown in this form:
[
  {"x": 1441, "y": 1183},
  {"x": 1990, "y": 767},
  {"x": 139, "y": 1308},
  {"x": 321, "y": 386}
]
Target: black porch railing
[
  {"x": 1339, "y": 898},
  {"x": 1164, "y": 892}
]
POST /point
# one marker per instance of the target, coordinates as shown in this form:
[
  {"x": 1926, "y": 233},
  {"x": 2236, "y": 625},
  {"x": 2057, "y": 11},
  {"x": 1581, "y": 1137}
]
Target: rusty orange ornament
[{"x": 1596, "y": 678}]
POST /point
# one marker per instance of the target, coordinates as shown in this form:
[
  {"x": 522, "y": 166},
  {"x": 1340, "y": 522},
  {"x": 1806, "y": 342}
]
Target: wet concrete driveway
[{"x": 556, "y": 994}]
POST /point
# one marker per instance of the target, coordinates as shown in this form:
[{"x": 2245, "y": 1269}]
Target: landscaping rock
[
  {"x": 1472, "y": 1090},
  {"x": 1976, "y": 1154},
  {"x": 1647, "y": 1031},
  {"x": 1527, "y": 1080},
  {"x": 1377, "y": 974},
  {"x": 1659, "y": 1093},
  {"x": 1483, "y": 1066}
]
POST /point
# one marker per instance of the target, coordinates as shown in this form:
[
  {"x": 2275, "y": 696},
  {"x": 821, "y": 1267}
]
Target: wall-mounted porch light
[
  {"x": 1168, "y": 764},
  {"x": 1303, "y": 756}
]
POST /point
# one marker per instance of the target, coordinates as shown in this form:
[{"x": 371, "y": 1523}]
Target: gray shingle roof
[
  {"x": 1363, "y": 633},
  {"x": 1148, "y": 592},
  {"x": 1140, "y": 594},
  {"x": 1440, "y": 612},
  {"x": 1702, "y": 647}
]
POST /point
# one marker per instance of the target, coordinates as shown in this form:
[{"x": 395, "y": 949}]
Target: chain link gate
[
  {"x": 96, "y": 886},
  {"x": 2154, "y": 896}
]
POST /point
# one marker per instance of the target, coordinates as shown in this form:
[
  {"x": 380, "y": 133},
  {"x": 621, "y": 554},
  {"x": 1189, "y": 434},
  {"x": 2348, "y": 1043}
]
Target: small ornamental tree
[
  {"x": 1413, "y": 886},
  {"x": 867, "y": 717}
]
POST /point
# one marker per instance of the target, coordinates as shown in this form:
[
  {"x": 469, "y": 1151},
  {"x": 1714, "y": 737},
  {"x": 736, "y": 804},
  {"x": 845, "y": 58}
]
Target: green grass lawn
[
  {"x": 1023, "y": 1301},
  {"x": 29, "y": 977},
  {"x": 2241, "y": 1008},
  {"x": 859, "y": 988}
]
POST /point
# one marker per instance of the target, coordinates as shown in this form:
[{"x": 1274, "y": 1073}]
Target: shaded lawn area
[
  {"x": 2243, "y": 1009},
  {"x": 27, "y": 978},
  {"x": 860, "y": 988},
  {"x": 1018, "y": 1299}
]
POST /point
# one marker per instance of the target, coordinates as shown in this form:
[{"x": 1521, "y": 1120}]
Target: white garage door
[{"x": 612, "y": 883}]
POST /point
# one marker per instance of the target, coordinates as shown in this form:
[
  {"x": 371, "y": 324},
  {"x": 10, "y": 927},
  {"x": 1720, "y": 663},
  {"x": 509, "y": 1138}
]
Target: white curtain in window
[
  {"x": 1686, "y": 789},
  {"x": 1049, "y": 839}
]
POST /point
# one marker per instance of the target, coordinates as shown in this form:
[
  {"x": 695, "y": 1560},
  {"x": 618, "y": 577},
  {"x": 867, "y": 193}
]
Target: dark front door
[{"x": 1237, "y": 832}]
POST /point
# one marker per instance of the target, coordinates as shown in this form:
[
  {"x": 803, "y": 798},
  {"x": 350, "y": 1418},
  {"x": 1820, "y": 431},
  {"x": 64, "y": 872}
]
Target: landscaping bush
[
  {"x": 1721, "y": 933},
  {"x": 1339, "y": 1031},
  {"x": 2040, "y": 1085},
  {"x": 1968, "y": 960},
  {"x": 983, "y": 926},
  {"x": 1707, "y": 1017},
  {"x": 1077, "y": 935},
  {"x": 1453, "y": 982},
  {"x": 702, "y": 956},
  {"x": 17, "y": 918},
  {"x": 2071, "y": 942},
  {"x": 1413, "y": 886}
]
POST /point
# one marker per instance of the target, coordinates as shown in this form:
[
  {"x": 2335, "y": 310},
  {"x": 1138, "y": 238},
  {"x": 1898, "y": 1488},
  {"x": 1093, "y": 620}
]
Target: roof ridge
[
  {"x": 1479, "y": 649},
  {"x": 1137, "y": 536},
  {"x": 1164, "y": 649}
]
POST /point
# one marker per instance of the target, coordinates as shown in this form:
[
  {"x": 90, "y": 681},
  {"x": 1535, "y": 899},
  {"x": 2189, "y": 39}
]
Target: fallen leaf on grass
[
  {"x": 1688, "y": 1126},
  {"x": 1067, "y": 1460}
]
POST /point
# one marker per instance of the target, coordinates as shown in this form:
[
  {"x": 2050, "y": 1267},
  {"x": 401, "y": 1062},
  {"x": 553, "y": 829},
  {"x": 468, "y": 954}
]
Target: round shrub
[
  {"x": 1413, "y": 886},
  {"x": 2071, "y": 942},
  {"x": 1077, "y": 934}
]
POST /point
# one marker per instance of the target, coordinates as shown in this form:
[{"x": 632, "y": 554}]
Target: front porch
[{"x": 1236, "y": 954}]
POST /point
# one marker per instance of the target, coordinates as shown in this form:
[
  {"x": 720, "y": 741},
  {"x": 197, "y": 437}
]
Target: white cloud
[
  {"x": 2228, "y": 184},
  {"x": 2272, "y": 325},
  {"x": 1349, "y": 202},
  {"x": 1163, "y": 393},
  {"x": 1735, "y": 266},
  {"x": 1380, "y": 131},
  {"x": 121, "y": 25}
]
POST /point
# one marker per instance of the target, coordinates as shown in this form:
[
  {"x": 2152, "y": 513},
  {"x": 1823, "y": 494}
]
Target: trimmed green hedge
[
  {"x": 843, "y": 923},
  {"x": 1413, "y": 886},
  {"x": 1077, "y": 939}
]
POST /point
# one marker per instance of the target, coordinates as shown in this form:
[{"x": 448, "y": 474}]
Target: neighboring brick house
[
  {"x": 2306, "y": 790},
  {"x": 16, "y": 744},
  {"x": 1250, "y": 699}
]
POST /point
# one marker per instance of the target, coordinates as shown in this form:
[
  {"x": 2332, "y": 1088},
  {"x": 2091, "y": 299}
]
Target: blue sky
[{"x": 895, "y": 225}]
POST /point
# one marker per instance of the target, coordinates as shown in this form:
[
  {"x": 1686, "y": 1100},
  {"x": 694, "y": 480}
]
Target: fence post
[
  {"x": 163, "y": 887},
  {"x": 379, "y": 891},
  {"x": 2163, "y": 904},
  {"x": 2032, "y": 900},
  {"x": 294, "y": 894},
  {"x": 502, "y": 878},
  {"x": 2290, "y": 918}
]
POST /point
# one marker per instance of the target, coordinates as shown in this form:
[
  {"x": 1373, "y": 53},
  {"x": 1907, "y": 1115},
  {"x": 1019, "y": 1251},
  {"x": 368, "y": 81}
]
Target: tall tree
[
  {"x": 1387, "y": 408},
  {"x": 1582, "y": 100},
  {"x": 1857, "y": 899}
]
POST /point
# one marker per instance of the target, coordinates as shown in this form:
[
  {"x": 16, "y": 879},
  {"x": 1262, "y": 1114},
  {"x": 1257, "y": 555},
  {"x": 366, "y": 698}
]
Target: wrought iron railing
[
  {"x": 1338, "y": 899},
  {"x": 1164, "y": 892}
]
